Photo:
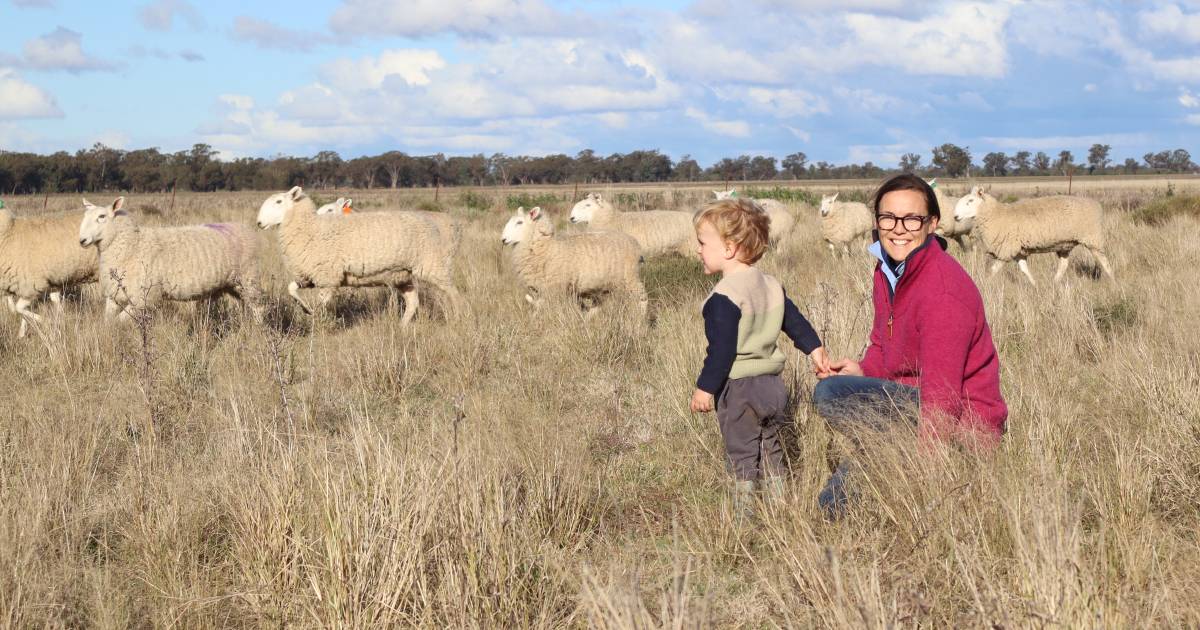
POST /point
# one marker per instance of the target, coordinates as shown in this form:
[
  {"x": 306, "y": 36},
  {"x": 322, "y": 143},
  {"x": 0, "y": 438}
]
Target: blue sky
[{"x": 841, "y": 80}]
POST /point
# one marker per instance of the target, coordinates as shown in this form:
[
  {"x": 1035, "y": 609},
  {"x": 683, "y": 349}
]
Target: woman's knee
[{"x": 829, "y": 393}]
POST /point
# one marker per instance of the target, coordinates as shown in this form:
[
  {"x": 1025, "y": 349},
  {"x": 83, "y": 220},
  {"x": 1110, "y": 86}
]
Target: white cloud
[
  {"x": 1192, "y": 119},
  {"x": 237, "y": 101},
  {"x": 868, "y": 99},
  {"x": 780, "y": 103},
  {"x": 614, "y": 120},
  {"x": 161, "y": 15},
  {"x": 964, "y": 40},
  {"x": 484, "y": 19},
  {"x": 412, "y": 66},
  {"x": 732, "y": 128},
  {"x": 24, "y": 100},
  {"x": 1187, "y": 99},
  {"x": 265, "y": 34},
  {"x": 1171, "y": 21},
  {"x": 1043, "y": 143},
  {"x": 62, "y": 49},
  {"x": 800, "y": 134}
]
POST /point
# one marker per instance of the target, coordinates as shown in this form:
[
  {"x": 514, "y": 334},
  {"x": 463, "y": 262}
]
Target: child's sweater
[{"x": 743, "y": 317}]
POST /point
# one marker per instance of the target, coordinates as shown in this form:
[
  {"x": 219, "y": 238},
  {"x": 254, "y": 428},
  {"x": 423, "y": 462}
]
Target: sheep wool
[
  {"x": 142, "y": 266},
  {"x": 782, "y": 219},
  {"x": 1013, "y": 231},
  {"x": 395, "y": 249},
  {"x": 40, "y": 255},
  {"x": 657, "y": 232},
  {"x": 947, "y": 225},
  {"x": 582, "y": 264},
  {"x": 842, "y": 222}
]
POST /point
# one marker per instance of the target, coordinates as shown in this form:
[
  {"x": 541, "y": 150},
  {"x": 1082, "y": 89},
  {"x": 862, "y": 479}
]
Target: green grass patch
[
  {"x": 786, "y": 195},
  {"x": 546, "y": 201},
  {"x": 1162, "y": 210},
  {"x": 475, "y": 201},
  {"x": 1115, "y": 316}
]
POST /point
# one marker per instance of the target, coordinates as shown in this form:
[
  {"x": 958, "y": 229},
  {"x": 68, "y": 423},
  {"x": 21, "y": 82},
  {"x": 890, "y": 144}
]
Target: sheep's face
[
  {"x": 968, "y": 207},
  {"x": 827, "y": 202},
  {"x": 526, "y": 226},
  {"x": 585, "y": 210},
  {"x": 275, "y": 208},
  {"x": 95, "y": 219},
  {"x": 341, "y": 206}
]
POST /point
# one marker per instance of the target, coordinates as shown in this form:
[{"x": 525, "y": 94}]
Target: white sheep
[
  {"x": 657, "y": 232},
  {"x": 1013, "y": 231},
  {"x": 844, "y": 221},
  {"x": 394, "y": 249},
  {"x": 141, "y": 266},
  {"x": 947, "y": 225},
  {"x": 585, "y": 265},
  {"x": 40, "y": 255},
  {"x": 782, "y": 219}
]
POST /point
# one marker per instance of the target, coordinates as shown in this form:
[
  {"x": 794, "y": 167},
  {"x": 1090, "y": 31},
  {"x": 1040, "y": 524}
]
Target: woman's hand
[
  {"x": 820, "y": 362},
  {"x": 702, "y": 401},
  {"x": 844, "y": 367}
]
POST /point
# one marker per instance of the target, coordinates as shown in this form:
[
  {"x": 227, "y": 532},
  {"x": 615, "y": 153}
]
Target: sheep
[
  {"x": 584, "y": 264},
  {"x": 844, "y": 221},
  {"x": 1013, "y": 231},
  {"x": 393, "y": 249},
  {"x": 141, "y": 266},
  {"x": 341, "y": 206},
  {"x": 657, "y": 232},
  {"x": 38, "y": 256},
  {"x": 947, "y": 226},
  {"x": 782, "y": 219}
]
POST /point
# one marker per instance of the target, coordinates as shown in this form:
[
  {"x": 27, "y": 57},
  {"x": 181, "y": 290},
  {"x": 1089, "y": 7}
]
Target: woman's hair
[
  {"x": 908, "y": 181},
  {"x": 739, "y": 221}
]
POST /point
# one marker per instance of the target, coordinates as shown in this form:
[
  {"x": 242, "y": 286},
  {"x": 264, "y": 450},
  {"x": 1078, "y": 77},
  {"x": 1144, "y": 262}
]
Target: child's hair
[{"x": 741, "y": 222}]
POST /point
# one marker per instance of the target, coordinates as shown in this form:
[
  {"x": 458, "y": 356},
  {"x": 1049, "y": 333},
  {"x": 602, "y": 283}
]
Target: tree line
[{"x": 200, "y": 169}]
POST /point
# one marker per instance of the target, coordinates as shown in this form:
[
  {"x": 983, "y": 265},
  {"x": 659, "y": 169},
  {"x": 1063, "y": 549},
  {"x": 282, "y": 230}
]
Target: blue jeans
[{"x": 851, "y": 404}]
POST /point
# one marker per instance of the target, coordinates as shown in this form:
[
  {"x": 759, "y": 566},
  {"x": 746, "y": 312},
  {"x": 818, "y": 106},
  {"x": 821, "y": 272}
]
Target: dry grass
[{"x": 507, "y": 469}]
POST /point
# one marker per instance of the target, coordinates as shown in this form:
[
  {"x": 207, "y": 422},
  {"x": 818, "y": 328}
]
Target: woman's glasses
[{"x": 911, "y": 223}]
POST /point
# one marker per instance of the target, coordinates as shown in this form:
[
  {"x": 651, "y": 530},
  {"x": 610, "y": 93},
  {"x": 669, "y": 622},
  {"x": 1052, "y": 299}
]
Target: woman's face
[{"x": 898, "y": 240}]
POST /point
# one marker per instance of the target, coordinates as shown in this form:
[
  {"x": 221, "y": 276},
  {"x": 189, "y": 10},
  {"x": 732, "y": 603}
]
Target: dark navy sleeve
[
  {"x": 721, "y": 317},
  {"x": 797, "y": 328}
]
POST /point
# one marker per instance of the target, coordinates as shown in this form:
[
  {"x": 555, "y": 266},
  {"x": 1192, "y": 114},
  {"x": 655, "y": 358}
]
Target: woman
[{"x": 930, "y": 344}]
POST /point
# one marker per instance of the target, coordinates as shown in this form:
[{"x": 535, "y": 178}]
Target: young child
[{"x": 743, "y": 317}]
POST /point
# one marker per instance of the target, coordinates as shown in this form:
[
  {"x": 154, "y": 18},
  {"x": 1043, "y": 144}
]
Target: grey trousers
[{"x": 751, "y": 412}]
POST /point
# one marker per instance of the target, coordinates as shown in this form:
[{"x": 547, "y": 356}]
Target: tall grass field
[{"x": 510, "y": 467}]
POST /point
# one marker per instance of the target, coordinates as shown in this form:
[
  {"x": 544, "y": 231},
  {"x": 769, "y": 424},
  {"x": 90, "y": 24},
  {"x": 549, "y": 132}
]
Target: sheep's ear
[
  {"x": 521, "y": 210},
  {"x": 341, "y": 201},
  {"x": 835, "y": 196},
  {"x": 86, "y": 203},
  {"x": 598, "y": 197},
  {"x": 296, "y": 193},
  {"x": 348, "y": 203},
  {"x": 535, "y": 213},
  {"x": 118, "y": 204}
]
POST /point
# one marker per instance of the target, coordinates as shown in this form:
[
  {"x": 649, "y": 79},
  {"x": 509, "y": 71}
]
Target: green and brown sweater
[{"x": 743, "y": 317}]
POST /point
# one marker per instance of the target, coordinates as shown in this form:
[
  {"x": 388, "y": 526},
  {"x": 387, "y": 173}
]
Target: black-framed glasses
[{"x": 912, "y": 223}]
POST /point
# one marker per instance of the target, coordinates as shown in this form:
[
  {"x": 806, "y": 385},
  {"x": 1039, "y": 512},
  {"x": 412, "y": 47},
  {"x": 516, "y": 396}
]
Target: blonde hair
[{"x": 739, "y": 221}]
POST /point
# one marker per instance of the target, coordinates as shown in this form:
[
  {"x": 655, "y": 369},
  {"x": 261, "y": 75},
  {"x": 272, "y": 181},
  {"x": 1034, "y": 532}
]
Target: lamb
[
  {"x": 393, "y": 249},
  {"x": 947, "y": 226},
  {"x": 1056, "y": 224},
  {"x": 40, "y": 255},
  {"x": 782, "y": 220},
  {"x": 844, "y": 221},
  {"x": 585, "y": 265},
  {"x": 141, "y": 266},
  {"x": 657, "y": 232}
]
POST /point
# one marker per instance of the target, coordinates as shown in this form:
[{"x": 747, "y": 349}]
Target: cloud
[
  {"x": 266, "y": 34},
  {"x": 1043, "y": 143},
  {"x": 1192, "y": 119},
  {"x": 731, "y": 128},
  {"x": 62, "y": 49},
  {"x": 779, "y": 103},
  {"x": 24, "y": 100},
  {"x": 1171, "y": 21},
  {"x": 800, "y": 134},
  {"x": 963, "y": 40},
  {"x": 483, "y": 19},
  {"x": 868, "y": 99},
  {"x": 412, "y": 66},
  {"x": 161, "y": 15}
]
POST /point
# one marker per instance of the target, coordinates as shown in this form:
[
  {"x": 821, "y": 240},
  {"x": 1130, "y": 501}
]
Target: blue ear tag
[
  {"x": 733, "y": 193},
  {"x": 1, "y": 204}
]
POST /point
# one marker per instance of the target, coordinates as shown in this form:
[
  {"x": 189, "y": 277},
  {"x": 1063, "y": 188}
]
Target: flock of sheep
[{"x": 332, "y": 246}]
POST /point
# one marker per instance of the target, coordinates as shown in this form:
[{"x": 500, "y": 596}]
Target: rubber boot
[{"x": 743, "y": 499}]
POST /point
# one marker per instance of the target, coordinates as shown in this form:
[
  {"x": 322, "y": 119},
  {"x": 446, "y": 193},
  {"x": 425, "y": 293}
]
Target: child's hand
[
  {"x": 820, "y": 362},
  {"x": 846, "y": 367},
  {"x": 701, "y": 401}
]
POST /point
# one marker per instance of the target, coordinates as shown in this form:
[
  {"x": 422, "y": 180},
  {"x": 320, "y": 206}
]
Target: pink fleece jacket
[{"x": 932, "y": 334}]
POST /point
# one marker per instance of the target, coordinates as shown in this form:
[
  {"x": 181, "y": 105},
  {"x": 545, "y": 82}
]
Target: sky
[{"x": 840, "y": 80}]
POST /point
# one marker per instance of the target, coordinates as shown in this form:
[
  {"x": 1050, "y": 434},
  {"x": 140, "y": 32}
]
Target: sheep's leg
[
  {"x": 1103, "y": 260},
  {"x": 12, "y": 305},
  {"x": 832, "y": 252},
  {"x": 294, "y": 291},
  {"x": 56, "y": 299},
  {"x": 411, "y": 301},
  {"x": 1063, "y": 262},
  {"x": 22, "y": 308},
  {"x": 111, "y": 308},
  {"x": 1023, "y": 265}
]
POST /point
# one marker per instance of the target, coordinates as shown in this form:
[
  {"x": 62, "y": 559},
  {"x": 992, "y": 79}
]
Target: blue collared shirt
[{"x": 891, "y": 273}]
